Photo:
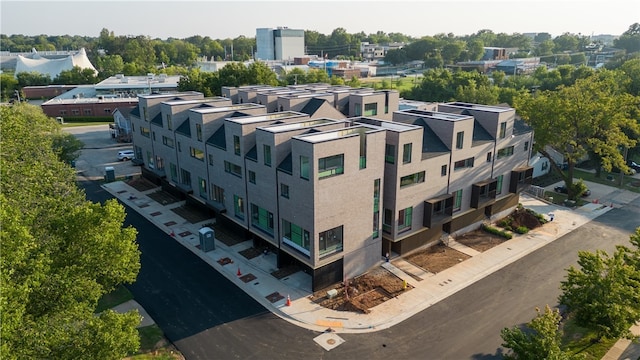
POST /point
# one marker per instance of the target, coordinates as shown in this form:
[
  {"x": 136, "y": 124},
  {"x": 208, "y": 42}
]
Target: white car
[{"x": 126, "y": 155}]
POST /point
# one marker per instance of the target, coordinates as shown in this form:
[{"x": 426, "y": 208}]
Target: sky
[{"x": 231, "y": 19}]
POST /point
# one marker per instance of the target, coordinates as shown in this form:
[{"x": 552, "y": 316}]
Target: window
[
  {"x": 210, "y": 159},
  {"x": 296, "y": 237},
  {"x": 145, "y": 132},
  {"x": 387, "y": 221},
  {"x": 202, "y": 187},
  {"x": 144, "y": 113},
  {"x": 167, "y": 141},
  {"x": 169, "y": 122},
  {"x": 526, "y": 146},
  {"x": 267, "y": 154},
  {"x": 499, "y": 184},
  {"x": 443, "y": 170},
  {"x": 459, "y": 140},
  {"x": 390, "y": 154},
  {"x": 330, "y": 166},
  {"x": 376, "y": 208},
  {"x": 159, "y": 163},
  {"x": 284, "y": 190},
  {"x": 174, "y": 172},
  {"x": 199, "y": 132},
  {"x": 503, "y": 130},
  {"x": 508, "y": 151},
  {"x": 236, "y": 145},
  {"x": 457, "y": 200},
  {"x": 63, "y": 112},
  {"x": 461, "y": 164},
  {"x": 252, "y": 177},
  {"x": 185, "y": 176},
  {"x": 233, "y": 169},
  {"x": 196, "y": 153},
  {"x": 404, "y": 219},
  {"x": 357, "y": 109},
  {"x": 489, "y": 156},
  {"x": 179, "y": 147},
  {"x": 75, "y": 112},
  {"x": 107, "y": 111},
  {"x": 330, "y": 241},
  {"x": 371, "y": 109},
  {"x": 412, "y": 179},
  {"x": 87, "y": 111},
  {"x": 154, "y": 135},
  {"x": 238, "y": 206},
  {"x": 217, "y": 194},
  {"x": 261, "y": 219},
  {"x": 406, "y": 154},
  {"x": 304, "y": 167},
  {"x": 150, "y": 160}
]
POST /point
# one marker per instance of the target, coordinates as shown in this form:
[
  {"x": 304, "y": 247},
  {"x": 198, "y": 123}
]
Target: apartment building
[{"x": 334, "y": 194}]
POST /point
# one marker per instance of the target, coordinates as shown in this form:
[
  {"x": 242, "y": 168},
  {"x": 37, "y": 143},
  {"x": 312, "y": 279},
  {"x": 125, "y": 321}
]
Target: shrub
[
  {"x": 496, "y": 231},
  {"x": 505, "y": 222},
  {"x": 522, "y": 229}
]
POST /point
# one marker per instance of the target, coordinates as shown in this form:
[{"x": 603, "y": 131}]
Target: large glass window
[
  {"x": 503, "y": 130},
  {"x": 174, "y": 172},
  {"x": 357, "y": 108},
  {"x": 202, "y": 187},
  {"x": 199, "y": 132},
  {"x": 390, "y": 154},
  {"x": 387, "y": 222},
  {"x": 457, "y": 200},
  {"x": 262, "y": 219},
  {"x": 196, "y": 153},
  {"x": 145, "y": 131},
  {"x": 304, "y": 167},
  {"x": 169, "y": 122},
  {"x": 185, "y": 176},
  {"x": 167, "y": 141},
  {"x": 232, "y": 168},
  {"x": 508, "y": 151},
  {"x": 412, "y": 179},
  {"x": 296, "y": 237},
  {"x": 236, "y": 144},
  {"x": 238, "y": 206},
  {"x": 461, "y": 164},
  {"x": 371, "y": 109},
  {"x": 404, "y": 219},
  {"x": 267, "y": 154},
  {"x": 376, "y": 208},
  {"x": 217, "y": 194},
  {"x": 460, "y": 140},
  {"x": 330, "y": 166},
  {"x": 499, "y": 184},
  {"x": 330, "y": 241},
  {"x": 406, "y": 153}
]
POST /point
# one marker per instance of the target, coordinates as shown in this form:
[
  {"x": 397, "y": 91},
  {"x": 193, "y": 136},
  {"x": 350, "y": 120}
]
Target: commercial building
[
  {"x": 333, "y": 194},
  {"x": 281, "y": 43}
]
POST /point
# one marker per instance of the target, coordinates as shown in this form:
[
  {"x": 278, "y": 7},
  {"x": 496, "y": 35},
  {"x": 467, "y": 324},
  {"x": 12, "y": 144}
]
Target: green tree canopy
[
  {"x": 540, "y": 340},
  {"x": 60, "y": 253},
  {"x": 603, "y": 293}
]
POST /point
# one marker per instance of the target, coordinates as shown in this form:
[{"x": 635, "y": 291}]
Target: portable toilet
[
  {"x": 207, "y": 239},
  {"x": 110, "y": 174}
]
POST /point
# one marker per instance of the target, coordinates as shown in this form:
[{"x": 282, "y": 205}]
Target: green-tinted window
[
  {"x": 330, "y": 166},
  {"x": 304, "y": 167},
  {"x": 267, "y": 155},
  {"x": 390, "y": 154},
  {"x": 406, "y": 153}
]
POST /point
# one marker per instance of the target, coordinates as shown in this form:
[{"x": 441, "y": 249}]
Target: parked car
[
  {"x": 635, "y": 166},
  {"x": 126, "y": 155},
  {"x": 563, "y": 190}
]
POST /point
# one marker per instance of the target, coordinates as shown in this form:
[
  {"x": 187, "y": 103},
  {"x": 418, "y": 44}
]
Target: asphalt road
[{"x": 208, "y": 317}]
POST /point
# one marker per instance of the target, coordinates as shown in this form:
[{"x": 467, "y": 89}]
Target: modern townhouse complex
[{"x": 332, "y": 178}]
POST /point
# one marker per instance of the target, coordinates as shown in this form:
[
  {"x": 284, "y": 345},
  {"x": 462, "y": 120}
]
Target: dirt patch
[
  {"x": 520, "y": 217},
  {"x": 285, "y": 271},
  {"x": 225, "y": 235},
  {"x": 362, "y": 293},
  {"x": 437, "y": 258},
  {"x": 191, "y": 214},
  {"x": 141, "y": 184},
  {"x": 480, "y": 240},
  {"x": 250, "y": 253},
  {"x": 163, "y": 197}
]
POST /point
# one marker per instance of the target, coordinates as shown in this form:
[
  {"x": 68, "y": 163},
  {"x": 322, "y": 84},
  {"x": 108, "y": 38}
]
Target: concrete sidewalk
[{"x": 254, "y": 275}]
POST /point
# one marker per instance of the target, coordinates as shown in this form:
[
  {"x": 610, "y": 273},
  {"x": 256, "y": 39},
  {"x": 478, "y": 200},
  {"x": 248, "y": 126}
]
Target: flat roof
[
  {"x": 479, "y": 107},
  {"x": 436, "y": 115},
  {"x": 280, "y": 128},
  {"x": 196, "y": 101},
  {"x": 267, "y": 117},
  {"x": 238, "y": 107},
  {"x": 356, "y": 130}
]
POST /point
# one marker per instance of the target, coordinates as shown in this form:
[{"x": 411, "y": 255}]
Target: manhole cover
[{"x": 331, "y": 341}]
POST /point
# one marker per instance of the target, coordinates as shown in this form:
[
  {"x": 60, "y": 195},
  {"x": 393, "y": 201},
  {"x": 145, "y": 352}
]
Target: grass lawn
[
  {"x": 578, "y": 340},
  {"x": 400, "y": 84},
  {"x": 629, "y": 183},
  {"x": 88, "y": 123},
  {"x": 153, "y": 345},
  {"x": 116, "y": 297}
]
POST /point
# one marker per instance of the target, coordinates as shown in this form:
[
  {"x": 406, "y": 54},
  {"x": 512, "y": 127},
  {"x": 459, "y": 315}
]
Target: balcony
[
  {"x": 483, "y": 193},
  {"x": 438, "y": 210},
  {"x": 521, "y": 178}
]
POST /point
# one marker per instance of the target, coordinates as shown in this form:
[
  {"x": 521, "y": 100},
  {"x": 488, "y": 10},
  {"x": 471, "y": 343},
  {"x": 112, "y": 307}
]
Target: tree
[
  {"x": 61, "y": 253},
  {"x": 66, "y": 146},
  {"x": 32, "y": 78},
  {"x": 76, "y": 76},
  {"x": 591, "y": 115},
  {"x": 8, "y": 86},
  {"x": 540, "y": 340},
  {"x": 629, "y": 40},
  {"x": 109, "y": 65},
  {"x": 603, "y": 293}
]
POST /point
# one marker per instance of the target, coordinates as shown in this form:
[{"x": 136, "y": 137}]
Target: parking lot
[{"x": 100, "y": 151}]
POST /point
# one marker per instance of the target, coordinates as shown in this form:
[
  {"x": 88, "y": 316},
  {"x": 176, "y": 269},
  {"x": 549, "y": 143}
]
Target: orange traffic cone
[
  {"x": 288, "y": 301},
  {"x": 239, "y": 273}
]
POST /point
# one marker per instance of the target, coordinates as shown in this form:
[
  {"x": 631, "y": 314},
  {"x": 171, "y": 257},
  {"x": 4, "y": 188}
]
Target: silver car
[{"x": 125, "y": 155}]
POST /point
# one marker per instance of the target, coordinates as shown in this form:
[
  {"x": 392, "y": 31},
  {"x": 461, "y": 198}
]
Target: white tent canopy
[{"x": 53, "y": 67}]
